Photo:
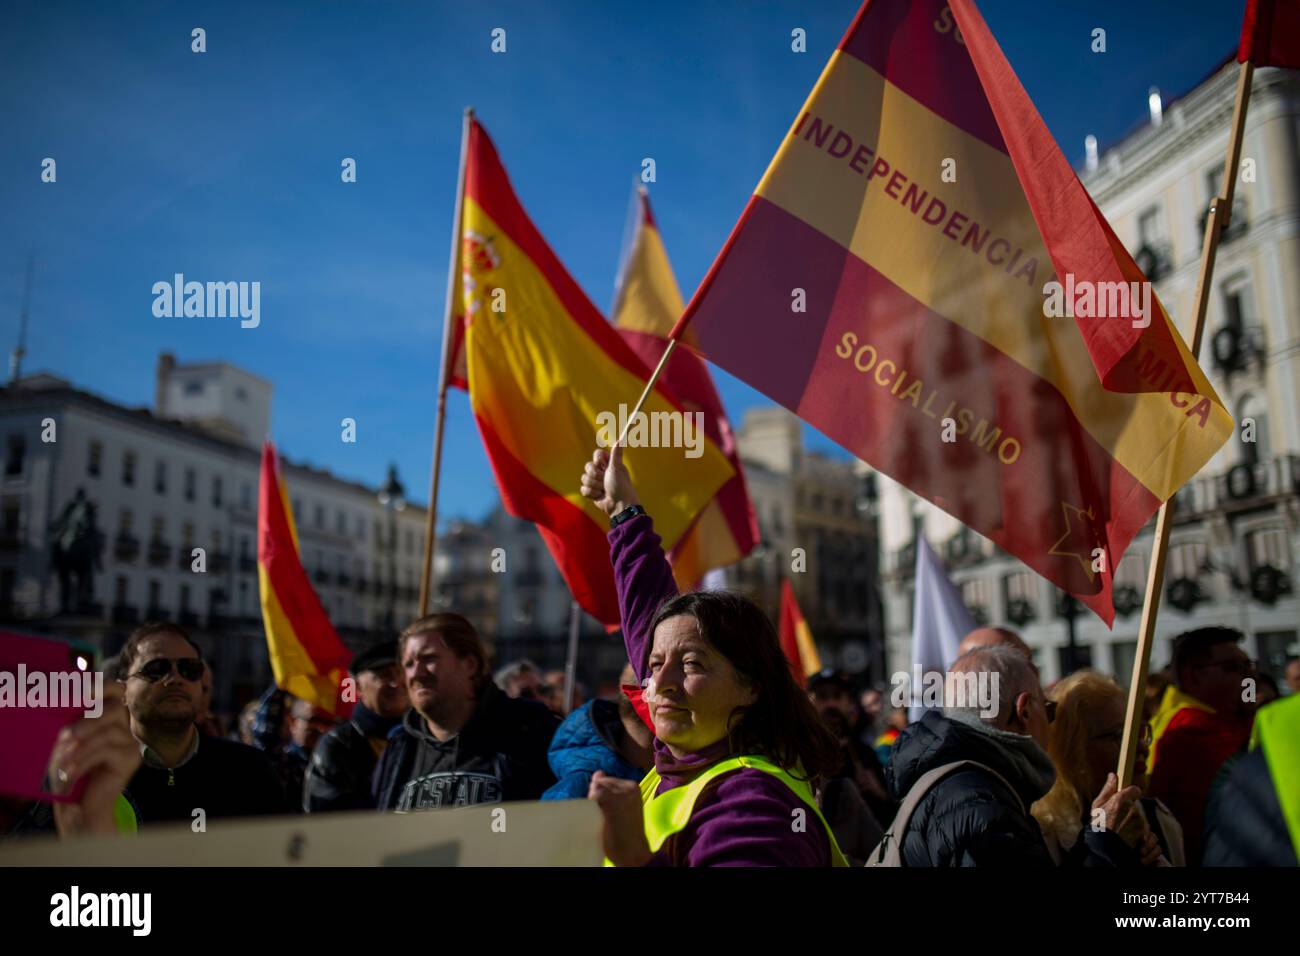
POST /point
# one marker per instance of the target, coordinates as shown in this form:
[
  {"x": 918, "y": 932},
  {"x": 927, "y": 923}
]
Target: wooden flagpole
[
  {"x": 1216, "y": 222},
  {"x": 431, "y": 519}
]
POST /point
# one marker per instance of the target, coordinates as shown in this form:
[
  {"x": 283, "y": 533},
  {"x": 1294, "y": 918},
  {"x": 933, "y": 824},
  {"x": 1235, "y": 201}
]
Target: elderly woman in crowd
[
  {"x": 738, "y": 746},
  {"x": 1084, "y": 744}
]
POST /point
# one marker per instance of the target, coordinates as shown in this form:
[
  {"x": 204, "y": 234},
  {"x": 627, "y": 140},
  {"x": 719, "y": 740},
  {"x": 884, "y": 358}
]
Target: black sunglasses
[{"x": 190, "y": 668}]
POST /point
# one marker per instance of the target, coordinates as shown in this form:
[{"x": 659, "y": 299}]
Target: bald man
[{"x": 993, "y": 637}]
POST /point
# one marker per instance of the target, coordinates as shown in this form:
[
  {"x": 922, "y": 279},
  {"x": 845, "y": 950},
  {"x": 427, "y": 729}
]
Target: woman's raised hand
[{"x": 606, "y": 481}]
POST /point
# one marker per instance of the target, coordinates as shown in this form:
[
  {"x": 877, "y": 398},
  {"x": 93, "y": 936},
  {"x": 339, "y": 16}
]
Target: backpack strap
[{"x": 891, "y": 844}]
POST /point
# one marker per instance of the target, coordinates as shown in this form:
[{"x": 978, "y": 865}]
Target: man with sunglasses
[
  {"x": 184, "y": 772},
  {"x": 1204, "y": 718}
]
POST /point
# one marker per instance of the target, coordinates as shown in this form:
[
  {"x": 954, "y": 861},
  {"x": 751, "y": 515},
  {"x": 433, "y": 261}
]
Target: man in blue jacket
[{"x": 602, "y": 735}]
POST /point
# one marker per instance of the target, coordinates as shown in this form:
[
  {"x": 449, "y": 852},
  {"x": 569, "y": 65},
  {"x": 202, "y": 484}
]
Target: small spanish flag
[
  {"x": 796, "y": 637},
  {"x": 547, "y": 375},
  {"x": 649, "y": 302},
  {"x": 307, "y": 656}
]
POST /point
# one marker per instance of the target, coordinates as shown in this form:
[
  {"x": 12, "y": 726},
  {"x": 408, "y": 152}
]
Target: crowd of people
[{"x": 715, "y": 753}]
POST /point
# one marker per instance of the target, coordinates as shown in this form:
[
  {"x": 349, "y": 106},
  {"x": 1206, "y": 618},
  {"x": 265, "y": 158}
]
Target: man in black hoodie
[
  {"x": 979, "y": 816},
  {"x": 343, "y": 761},
  {"x": 463, "y": 741}
]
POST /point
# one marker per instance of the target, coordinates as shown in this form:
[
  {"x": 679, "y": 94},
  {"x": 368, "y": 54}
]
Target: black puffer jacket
[
  {"x": 971, "y": 818},
  {"x": 1245, "y": 826}
]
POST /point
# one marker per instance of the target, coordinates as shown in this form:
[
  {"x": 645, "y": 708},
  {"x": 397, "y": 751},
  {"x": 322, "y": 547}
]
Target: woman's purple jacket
[{"x": 743, "y": 818}]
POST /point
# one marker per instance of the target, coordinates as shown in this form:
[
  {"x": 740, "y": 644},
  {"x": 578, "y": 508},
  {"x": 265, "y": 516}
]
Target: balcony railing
[{"x": 1241, "y": 487}]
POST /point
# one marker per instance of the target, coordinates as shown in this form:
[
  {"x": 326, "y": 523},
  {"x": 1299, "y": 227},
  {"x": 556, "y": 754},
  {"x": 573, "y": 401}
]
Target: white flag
[{"x": 939, "y": 622}]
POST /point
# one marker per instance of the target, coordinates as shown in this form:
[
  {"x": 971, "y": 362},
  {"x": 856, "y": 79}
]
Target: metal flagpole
[
  {"x": 431, "y": 519},
  {"x": 571, "y": 657},
  {"x": 1216, "y": 222}
]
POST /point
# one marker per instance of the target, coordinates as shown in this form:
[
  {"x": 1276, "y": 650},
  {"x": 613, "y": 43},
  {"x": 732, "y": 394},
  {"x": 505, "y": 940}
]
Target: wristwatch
[{"x": 627, "y": 514}]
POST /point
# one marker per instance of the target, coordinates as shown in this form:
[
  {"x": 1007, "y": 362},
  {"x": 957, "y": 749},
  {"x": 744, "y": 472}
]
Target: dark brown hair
[
  {"x": 127, "y": 655},
  {"x": 781, "y": 724},
  {"x": 457, "y": 633}
]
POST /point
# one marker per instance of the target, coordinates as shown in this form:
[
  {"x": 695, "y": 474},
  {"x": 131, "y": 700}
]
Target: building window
[
  {"x": 16, "y": 456},
  {"x": 160, "y": 478},
  {"x": 94, "y": 459},
  {"x": 12, "y": 521},
  {"x": 320, "y": 516},
  {"x": 241, "y": 393},
  {"x": 1268, "y": 547},
  {"x": 1150, "y": 230},
  {"x": 1122, "y": 655},
  {"x": 124, "y": 521},
  {"x": 191, "y": 484},
  {"x": 216, "y": 491},
  {"x": 155, "y": 597},
  {"x": 187, "y": 535},
  {"x": 194, "y": 388},
  {"x": 1187, "y": 559},
  {"x": 158, "y": 527},
  {"x": 185, "y": 599},
  {"x": 246, "y": 496},
  {"x": 120, "y": 593},
  {"x": 361, "y": 529},
  {"x": 128, "y": 469},
  {"x": 341, "y": 522}
]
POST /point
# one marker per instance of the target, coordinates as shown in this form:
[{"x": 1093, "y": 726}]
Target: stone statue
[{"x": 75, "y": 547}]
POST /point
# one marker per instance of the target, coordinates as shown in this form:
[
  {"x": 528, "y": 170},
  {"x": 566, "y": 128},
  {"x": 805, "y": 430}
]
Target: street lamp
[{"x": 392, "y": 498}]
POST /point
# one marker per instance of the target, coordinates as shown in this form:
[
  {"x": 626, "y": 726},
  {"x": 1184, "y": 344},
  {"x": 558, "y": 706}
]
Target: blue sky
[{"x": 226, "y": 165}]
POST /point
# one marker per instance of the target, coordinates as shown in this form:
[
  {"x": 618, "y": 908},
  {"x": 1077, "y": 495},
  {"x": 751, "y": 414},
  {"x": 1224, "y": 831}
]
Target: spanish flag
[
  {"x": 921, "y": 276},
  {"x": 796, "y": 637},
  {"x": 307, "y": 656},
  {"x": 647, "y": 305},
  {"x": 549, "y": 379}
]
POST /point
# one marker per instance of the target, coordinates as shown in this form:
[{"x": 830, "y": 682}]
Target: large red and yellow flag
[
  {"x": 888, "y": 282},
  {"x": 648, "y": 305},
  {"x": 307, "y": 657},
  {"x": 548, "y": 376},
  {"x": 796, "y": 637}
]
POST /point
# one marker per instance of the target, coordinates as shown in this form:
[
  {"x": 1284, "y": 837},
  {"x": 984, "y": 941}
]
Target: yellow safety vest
[
  {"x": 1277, "y": 731},
  {"x": 1170, "y": 704},
  {"x": 669, "y": 812},
  {"x": 124, "y": 815}
]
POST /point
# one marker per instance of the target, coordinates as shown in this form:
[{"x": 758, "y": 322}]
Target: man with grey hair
[
  {"x": 521, "y": 678},
  {"x": 995, "y": 717}
]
